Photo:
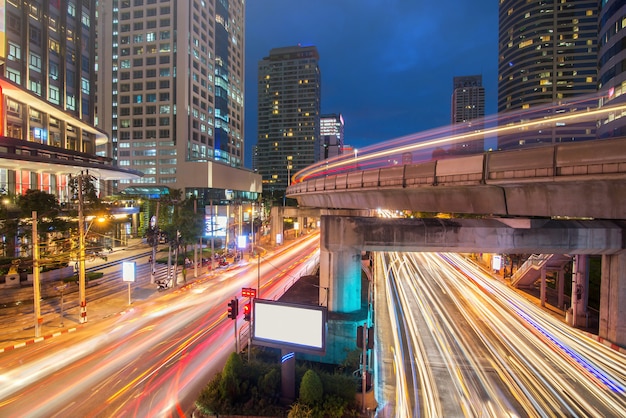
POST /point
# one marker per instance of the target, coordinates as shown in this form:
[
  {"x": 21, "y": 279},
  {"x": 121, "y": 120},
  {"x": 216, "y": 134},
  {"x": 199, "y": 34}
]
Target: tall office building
[
  {"x": 171, "y": 93},
  {"x": 468, "y": 110},
  {"x": 547, "y": 55},
  {"x": 331, "y": 136},
  {"x": 289, "y": 82},
  {"x": 612, "y": 64},
  {"x": 47, "y": 63}
]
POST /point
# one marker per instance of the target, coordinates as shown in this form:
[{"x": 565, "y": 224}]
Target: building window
[
  {"x": 53, "y": 91},
  {"x": 14, "y": 76},
  {"x": 70, "y": 102},
  {"x": 84, "y": 85},
  {"x": 35, "y": 87},
  {"x": 34, "y": 62},
  {"x": 15, "y": 52},
  {"x": 85, "y": 19},
  {"x": 14, "y": 23},
  {"x": 35, "y": 35},
  {"x": 54, "y": 47},
  {"x": 53, "y": 70}
]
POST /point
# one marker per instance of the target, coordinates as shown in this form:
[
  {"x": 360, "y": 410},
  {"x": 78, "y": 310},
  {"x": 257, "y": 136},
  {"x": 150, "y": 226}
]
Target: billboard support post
[{"x": 288, "y": 377}]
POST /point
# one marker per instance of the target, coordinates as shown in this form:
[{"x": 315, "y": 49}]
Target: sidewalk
[{"x": 17, "y": 326}]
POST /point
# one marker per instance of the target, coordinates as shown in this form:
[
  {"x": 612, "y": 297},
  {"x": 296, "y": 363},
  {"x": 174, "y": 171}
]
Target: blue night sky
[{"x": 387, "y": 66}]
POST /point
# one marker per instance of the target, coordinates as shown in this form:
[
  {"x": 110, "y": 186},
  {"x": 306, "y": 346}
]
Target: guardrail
[{"x": 599, "y": 159}]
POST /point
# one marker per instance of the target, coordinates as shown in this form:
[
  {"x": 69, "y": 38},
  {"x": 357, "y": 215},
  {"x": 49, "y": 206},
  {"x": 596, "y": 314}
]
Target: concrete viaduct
[{"x": 559, "y": 199}]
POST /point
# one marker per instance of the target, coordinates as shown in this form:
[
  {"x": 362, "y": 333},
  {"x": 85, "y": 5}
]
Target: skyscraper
[
  {"x": 468, "y": 104},
  {"x": 289, "y": 82},
  {"x": 612, "y": 63},
  {"x": 171, "y": 92},
  {"x": 547, "y": 54},
  {"x": 331, "y": 136},
  {"x": 47, "y": 63}
]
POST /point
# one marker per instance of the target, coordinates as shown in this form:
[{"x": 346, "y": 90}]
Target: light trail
[
  {"x": 581, "y": 110},
  {"x": 490, "y": 352}
]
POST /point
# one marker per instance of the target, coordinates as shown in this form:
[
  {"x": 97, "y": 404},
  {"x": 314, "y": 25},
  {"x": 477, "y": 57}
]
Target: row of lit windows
[
  {"x": 138, "y": 123},
  {"x": 147, "y": 98},
  {"x": 149, "y": 37},
  {"x": 151, "y": 24},
  {"x": 150, "y": 110},
  {"x": 148, "y": 134},
  {"x": 151, "y": 12},
  {"x": 148, "y": 162},
  {"x": 125, "y": 4}
]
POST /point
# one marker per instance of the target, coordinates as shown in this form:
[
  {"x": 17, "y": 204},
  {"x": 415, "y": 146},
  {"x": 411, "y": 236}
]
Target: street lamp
[
  {"x": 289, "y": 167},
  {"x": 82, "y": 233}
]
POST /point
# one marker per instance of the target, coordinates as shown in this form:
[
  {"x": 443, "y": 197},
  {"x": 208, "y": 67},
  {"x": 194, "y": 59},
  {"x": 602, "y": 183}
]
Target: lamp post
[
  {"x": 36, "y": 288},
  {"x": 289, "y": 167},
  {"x": 82, "y": 233}
]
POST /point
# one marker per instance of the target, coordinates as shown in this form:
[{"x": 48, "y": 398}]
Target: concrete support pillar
[
  {"x": 560, "y": 285},
  {"x": 580, "y": 290},
  {"x": 276, "y": 225},
  {"x": 340, "y": 280},
  {"x": 613, "y": 299}
]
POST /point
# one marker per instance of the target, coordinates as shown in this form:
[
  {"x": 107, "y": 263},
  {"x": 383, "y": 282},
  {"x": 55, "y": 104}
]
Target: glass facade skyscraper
[
  {"x": 171, "y": 91},
  {"x": 547, "y": 55},
  {"x": 289, "y": 87}
]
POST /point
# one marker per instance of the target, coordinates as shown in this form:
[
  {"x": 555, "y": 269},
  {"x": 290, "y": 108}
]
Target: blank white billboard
[{"x": 290, "y": 326}]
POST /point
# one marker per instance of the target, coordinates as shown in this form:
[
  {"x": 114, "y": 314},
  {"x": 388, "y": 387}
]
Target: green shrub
[
  {"x": 231, "y": 378},
  {"x": 311, "y": 388}
]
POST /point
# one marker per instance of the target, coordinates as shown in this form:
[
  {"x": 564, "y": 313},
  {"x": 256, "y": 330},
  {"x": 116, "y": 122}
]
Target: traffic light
[
  {"x": 233, "y": 308},
  {"x": 247, "y": 311},
  {"x": 360, "y": 336}
]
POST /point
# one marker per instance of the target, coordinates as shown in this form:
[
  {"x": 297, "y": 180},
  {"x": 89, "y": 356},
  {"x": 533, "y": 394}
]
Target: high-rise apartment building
[
  {"x": 47, "y": 64},
  {"x": 612, "y": 64},
  {"x": 468, "y": 104},
  {"x": 289, "y": 85},
  {"x": 547, "y": 55},
  {"x": 331, "y": 136},
  {"x": 171, "y": 93}
]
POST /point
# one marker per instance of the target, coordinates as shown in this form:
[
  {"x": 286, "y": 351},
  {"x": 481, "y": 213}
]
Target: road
[
  {"x": 463, "y": 344},
  {"x": 154, "y": 359}
]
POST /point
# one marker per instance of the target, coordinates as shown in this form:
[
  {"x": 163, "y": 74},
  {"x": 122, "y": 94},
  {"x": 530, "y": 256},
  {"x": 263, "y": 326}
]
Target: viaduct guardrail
[{"x": 588, "y": 177}]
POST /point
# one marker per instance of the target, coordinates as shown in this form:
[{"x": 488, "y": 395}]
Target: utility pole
[
  {"x": 195, "y": 247},
  {"x": 155, "y": 237},
  {"x": 36, "y": 285},
  {"x": 81, "y": 253}
]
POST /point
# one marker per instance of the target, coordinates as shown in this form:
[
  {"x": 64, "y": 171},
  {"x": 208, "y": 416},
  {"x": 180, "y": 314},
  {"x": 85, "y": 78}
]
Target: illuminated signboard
[
  {"x": 297, "y": 327},
  {"x": 2, "y": 30}
]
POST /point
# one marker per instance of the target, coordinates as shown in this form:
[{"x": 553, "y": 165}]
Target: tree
[{"x": 91, "y": 201}]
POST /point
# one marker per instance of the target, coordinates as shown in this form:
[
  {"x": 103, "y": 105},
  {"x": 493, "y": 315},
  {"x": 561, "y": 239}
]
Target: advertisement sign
[{"x": 290, "y": 326}]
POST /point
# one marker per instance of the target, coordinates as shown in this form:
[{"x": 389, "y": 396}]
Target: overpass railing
[{"x": 602, "y": 159}]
